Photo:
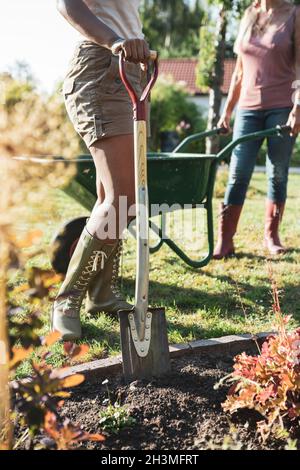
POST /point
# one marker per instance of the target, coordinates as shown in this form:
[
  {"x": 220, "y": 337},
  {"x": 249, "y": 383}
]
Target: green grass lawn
[{"x": 226, "y": 297}]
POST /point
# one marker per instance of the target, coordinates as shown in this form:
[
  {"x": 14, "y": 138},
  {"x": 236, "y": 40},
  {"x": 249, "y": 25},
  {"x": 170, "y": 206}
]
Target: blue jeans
[{"x": 244, "y": 155}]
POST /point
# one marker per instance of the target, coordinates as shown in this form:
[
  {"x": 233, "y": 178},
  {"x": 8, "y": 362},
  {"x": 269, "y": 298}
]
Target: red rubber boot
[
  {"x": 228, "y": 221},
  {"x": 274, "y": 213}
]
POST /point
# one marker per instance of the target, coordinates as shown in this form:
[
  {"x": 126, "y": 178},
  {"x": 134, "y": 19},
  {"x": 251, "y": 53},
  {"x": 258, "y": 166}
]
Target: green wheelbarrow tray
[{"x": 175, "y": 178}]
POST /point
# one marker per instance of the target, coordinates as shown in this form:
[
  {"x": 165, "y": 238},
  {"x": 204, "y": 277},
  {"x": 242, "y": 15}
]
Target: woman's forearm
[
  {"x": 296, "y": 96},
  {"x": 235, "y": 88},
  {"x": 233, "y": 96},
  {"x": 81, "y": 18},
  {"x": 297, "y": 93},
  {"x": 294, "y": 117},
  {"x": 297, "y": 59}
]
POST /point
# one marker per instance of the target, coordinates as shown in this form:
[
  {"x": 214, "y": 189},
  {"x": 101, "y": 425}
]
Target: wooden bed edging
[{"x": 234, "y": 344}]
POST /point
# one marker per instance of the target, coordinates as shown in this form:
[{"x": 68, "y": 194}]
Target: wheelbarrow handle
[
  {"x": 139, "y": 104},
  {"x": 278, "y": 131},
  {"x": 221, "y": 130},
  {"x": 200, "y": 135}
]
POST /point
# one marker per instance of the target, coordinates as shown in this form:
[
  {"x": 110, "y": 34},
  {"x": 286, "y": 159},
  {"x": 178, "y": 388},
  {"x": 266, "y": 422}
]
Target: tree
[
  {"x": 172, "y": 26},
  {"x": 213, "y": 51}
]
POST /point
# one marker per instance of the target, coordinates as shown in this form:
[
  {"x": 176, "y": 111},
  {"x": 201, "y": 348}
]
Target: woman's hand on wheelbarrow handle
[
  {"x": 223, "y": 130},
  {"x": 284, "y": 130}
]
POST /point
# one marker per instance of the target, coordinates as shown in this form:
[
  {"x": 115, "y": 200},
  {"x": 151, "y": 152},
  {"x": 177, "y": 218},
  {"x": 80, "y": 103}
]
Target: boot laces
[
  {"x": 75, "y": 298},
  {"x": 115, "y": 288}
]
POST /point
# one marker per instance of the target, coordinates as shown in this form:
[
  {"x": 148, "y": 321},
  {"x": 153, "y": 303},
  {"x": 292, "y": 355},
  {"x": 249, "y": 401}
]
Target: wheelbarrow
[{"x": 174, "y": 179}]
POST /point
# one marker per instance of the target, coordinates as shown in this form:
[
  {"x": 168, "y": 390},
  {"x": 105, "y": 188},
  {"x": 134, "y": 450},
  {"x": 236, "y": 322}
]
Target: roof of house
[{"x": 184, "y": 71}]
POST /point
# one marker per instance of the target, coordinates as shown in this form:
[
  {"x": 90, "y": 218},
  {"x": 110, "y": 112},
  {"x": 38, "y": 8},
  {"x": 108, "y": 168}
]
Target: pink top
[{"x": 269, "y": 68}]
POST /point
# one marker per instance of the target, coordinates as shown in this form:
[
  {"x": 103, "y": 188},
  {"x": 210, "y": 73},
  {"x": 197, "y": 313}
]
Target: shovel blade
[{"x": 157, "y": 361}]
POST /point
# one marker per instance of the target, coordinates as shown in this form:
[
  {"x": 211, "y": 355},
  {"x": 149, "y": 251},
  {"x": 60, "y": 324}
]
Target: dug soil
[{"x": 182, "y": 411}]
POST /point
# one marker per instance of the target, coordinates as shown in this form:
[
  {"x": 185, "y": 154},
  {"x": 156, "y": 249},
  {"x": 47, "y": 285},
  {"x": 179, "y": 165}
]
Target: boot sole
[
  {"x": 64, "y": 338},
  {"x": 280, "y": 251},
  {"x": 113, "y": 315},
  {"x": 277, "y": 253},
  {"x": 219, "y": 257}
]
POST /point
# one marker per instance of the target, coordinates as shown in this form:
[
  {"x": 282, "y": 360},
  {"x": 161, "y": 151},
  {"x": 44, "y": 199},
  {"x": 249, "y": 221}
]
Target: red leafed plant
[
  {"x": 269, "y": 382},
  {"x": 65, "y": 434}
]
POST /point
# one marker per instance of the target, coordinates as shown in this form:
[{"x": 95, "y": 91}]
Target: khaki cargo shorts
[{"x": 96, "y": 100}]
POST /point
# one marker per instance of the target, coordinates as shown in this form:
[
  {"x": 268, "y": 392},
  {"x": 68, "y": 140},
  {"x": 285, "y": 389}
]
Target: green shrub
[
  {"x": 296, "y": 154},
  {"x": 171, "y": 106}
]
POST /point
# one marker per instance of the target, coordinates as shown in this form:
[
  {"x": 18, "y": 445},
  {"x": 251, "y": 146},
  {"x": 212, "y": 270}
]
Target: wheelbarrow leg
[
  {"x": 196, "y": 264},
  {"x": 158, "y": 232}
]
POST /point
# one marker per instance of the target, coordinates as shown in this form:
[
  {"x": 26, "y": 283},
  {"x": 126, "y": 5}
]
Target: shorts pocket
[
  {"x": 111, "y": 82},
  {"x": 68, "y": 93},
  {"x": 98, "y": 126},
  {"x": 68, "y": 86}
]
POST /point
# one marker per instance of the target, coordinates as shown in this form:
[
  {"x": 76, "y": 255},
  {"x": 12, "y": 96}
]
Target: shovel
[{"x": 144, "y": 340}]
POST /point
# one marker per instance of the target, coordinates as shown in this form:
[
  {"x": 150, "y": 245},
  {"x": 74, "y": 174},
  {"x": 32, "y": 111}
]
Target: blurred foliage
[
  {"x": 171, "y": 106},
  {"x": 296, "y": 155},
  {"x": 37, "y": 402},
  {"x": 172, "y": 26},
  {"x": 33, "y": 124}
]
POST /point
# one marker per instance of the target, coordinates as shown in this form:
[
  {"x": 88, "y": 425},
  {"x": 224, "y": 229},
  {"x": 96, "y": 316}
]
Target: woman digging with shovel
[
  {"x": 266, "y": 86},
  {"x": 101, "y": 111}
]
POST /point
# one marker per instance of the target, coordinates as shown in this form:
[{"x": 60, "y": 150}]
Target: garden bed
[{"x": 182, "y": 411}]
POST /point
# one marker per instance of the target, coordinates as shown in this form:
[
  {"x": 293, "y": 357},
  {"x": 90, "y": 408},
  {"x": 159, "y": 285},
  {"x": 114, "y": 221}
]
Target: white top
[{"x": 122, "y": 16}]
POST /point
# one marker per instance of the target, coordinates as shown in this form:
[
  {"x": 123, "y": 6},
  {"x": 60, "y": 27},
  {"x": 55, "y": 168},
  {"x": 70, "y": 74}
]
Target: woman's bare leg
[{"x": 114, "y": 161}]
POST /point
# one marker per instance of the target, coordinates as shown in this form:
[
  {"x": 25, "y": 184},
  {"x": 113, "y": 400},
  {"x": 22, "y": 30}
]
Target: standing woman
[
  {"x": 101, "y": 112},
  {"x": 266, "y": 87}
]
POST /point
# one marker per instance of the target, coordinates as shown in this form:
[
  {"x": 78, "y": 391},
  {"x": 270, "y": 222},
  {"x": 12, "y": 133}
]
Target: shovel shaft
[
  {"x": 142, "y": 218},
  {"x": 144, "y": 338},
  {"x": 141, "y": 190}
]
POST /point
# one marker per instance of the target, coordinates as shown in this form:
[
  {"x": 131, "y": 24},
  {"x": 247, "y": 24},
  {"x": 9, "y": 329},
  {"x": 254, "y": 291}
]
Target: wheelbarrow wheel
[{"x": 64, "y": 243}]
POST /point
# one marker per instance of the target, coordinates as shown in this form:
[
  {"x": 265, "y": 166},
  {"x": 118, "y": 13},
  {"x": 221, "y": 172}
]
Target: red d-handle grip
[{"x": 139, "y": 104}]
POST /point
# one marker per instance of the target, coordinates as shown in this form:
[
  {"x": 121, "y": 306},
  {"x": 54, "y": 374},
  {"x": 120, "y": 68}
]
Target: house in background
[{"x": 183, "y": 71}]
